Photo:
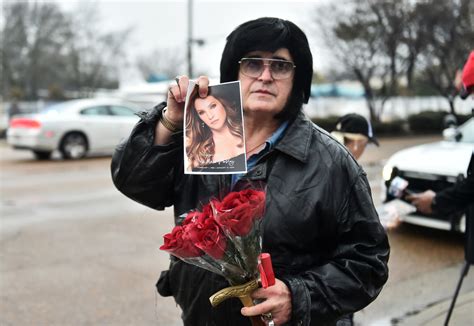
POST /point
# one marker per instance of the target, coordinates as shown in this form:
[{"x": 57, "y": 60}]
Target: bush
[
  {"x": 328, "y": 123},
  {"x": 431, "y": 122},
  {"x": 395, "y": 127},
  {"x": 391, "y": 128},
  {"x": 427, "y": 122}
]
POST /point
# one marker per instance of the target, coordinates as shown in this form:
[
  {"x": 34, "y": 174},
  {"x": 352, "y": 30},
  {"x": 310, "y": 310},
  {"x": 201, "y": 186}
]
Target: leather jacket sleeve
[
  {"x": 456, "y": 197},
  {"x": 143, "y": 171},
  {"x": 354, "y": 272},
  {"x": 459, "y": 196}
]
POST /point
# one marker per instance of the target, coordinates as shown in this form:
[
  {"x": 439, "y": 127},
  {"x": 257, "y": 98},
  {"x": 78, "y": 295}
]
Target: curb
[{"x": 435, "y": 314}]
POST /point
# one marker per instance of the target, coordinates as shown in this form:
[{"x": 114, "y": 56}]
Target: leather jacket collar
[{"x": 297, "y": 139}]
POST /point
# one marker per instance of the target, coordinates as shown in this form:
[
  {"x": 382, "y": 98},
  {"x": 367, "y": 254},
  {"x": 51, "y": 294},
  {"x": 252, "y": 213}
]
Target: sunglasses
[{"x": 254, "y": 67}]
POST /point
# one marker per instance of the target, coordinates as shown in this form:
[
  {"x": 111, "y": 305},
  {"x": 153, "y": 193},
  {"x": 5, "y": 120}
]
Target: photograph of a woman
[{"x": 214, "y": 131}]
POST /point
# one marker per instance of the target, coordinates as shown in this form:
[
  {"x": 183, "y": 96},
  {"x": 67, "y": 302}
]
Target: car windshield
[{"x": 467, "y": 131}]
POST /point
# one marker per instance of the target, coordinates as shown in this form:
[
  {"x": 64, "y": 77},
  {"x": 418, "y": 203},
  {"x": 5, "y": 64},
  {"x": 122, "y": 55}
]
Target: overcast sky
[{"x": 163, "y": 23}]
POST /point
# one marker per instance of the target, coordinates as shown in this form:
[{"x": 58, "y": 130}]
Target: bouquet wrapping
[{"x": 223, "y": 237}]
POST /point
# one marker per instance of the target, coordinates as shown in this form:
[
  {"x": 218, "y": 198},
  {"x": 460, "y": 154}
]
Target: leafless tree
[
  {"x": 386, "y": 40},
  {"x": 365, "y": 36},
  {"x": 163, "y": 62},
  {"x": 34, "y": 37},
  {"x": 42, "y": 47},
  {"x": 451, "y": 38},
  {"x": 94, "y": 57}
]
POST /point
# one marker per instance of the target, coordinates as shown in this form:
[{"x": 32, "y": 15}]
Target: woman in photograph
[{"x": 214, "y": 136}]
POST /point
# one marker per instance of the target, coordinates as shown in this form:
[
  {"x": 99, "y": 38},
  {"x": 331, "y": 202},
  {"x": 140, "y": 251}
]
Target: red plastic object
[{"x": 267, "y": 277}]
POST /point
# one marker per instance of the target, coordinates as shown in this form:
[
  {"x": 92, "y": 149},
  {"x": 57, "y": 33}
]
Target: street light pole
[{"x": 190, "y": 38}]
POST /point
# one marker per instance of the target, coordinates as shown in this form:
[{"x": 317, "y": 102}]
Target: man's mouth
[{"x": 263, "y": 91}]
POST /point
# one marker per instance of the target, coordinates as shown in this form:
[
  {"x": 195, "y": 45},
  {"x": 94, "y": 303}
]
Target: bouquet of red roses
[{"x": 223, "y": 237}]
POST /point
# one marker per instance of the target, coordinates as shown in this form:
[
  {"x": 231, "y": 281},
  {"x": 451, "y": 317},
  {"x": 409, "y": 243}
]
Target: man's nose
[{"x": 266, "y": 74}]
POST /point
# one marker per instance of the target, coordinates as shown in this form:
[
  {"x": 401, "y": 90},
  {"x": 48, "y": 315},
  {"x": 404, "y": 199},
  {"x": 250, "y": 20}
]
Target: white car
[
  {"x": 433, "y": 166},
  {"x": 75, "y": 128}
]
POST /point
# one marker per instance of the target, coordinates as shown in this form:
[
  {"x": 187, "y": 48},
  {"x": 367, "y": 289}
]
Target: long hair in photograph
[{"x": 199, "y": 140}]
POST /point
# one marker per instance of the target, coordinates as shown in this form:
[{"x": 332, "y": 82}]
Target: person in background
[
  {"x": 14, "y": 109},
  {"x": 461, "y": 195},
  {"x": 355, "y": 132},
  {"x": 329, "y": 251}
]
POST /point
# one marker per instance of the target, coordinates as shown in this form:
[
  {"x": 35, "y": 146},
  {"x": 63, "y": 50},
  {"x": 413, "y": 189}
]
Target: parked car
[
  {"x": 433, "y": 166},
  {"x": 76, "y": 128}
]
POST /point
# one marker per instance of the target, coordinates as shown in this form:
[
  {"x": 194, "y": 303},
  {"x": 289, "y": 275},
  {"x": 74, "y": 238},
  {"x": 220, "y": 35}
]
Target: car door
[
  {"x": 126, "y": 119},
  {"x": 100, "y": 126}
]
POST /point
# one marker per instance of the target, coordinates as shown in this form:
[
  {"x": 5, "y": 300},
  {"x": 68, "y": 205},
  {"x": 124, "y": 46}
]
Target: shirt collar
[
  {"x": 275, "y": 137},
  {"x": 270, "y": 143}
]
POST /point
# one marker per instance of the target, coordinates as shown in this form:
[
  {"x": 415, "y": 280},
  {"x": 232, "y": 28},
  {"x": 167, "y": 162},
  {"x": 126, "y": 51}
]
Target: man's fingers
[
  {"x": 256, "y": 310},
  {"x": 173, "y": 93},
  {"x": 178, "y": 90},
  {"x": 259, "y": 294},
  {"x": 203, "y": 83},
  {"x": 183, "y": 82}
]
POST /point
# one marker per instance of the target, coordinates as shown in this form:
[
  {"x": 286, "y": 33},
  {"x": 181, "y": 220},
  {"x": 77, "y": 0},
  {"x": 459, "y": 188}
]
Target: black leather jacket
[{"x": 320, "y": 225}]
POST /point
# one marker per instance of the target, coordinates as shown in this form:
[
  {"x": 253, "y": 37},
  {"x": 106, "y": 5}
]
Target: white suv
[{"x": 433, "y": 166}]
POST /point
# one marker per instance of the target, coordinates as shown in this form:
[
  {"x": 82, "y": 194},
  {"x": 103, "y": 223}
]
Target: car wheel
[
  {"x": 42, "y": 155},
  {"x": 73, "y": 146}
]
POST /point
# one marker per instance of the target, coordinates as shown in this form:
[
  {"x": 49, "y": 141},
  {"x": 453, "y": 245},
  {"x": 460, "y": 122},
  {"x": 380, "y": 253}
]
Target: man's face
[
  {"x": 265, "y": 94},
  {"x": 356, "y": 146}
]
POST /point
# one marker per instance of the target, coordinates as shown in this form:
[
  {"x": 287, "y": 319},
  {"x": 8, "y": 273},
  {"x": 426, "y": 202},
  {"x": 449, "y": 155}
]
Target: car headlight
[{"x": 387, "y": 172}]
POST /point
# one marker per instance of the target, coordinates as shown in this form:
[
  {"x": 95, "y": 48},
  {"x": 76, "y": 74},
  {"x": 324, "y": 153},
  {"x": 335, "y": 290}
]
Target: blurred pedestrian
[
  {"x": 355, "y": 132},
  {"x": 14, "y": 109}
]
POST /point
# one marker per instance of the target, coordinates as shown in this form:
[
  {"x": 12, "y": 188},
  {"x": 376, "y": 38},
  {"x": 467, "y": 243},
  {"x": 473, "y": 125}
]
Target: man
[
  {"x": 328, "y": 247},
  {"x": 461, "y": 195},
  {"x": 355, "y": 132}
]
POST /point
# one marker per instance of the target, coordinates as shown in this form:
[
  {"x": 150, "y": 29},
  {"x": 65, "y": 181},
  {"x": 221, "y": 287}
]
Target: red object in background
[
  {"x": 24, "y": 123},
  {"x": 267, "y": 277},
  {"x": 468, "y": 77},
  {"x": 468, "y": 71}
]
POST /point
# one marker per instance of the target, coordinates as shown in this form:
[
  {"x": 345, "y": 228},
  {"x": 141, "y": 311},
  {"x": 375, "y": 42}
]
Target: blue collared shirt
[{"x": 269, "y": 145}]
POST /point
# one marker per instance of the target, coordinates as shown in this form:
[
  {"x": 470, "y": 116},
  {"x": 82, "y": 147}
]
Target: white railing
[{"x": 395, "y": 108}]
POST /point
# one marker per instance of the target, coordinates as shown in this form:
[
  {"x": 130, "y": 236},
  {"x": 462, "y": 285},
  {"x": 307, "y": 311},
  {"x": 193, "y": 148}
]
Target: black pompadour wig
[{"x": 271, "y": 34}]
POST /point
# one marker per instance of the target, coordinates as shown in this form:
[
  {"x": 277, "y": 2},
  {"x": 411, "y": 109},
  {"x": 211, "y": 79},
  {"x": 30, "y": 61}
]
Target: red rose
[
  {"x": 201, "y": 229},
  {"x": 194, "y": 221},
  {"x": 238, "y": 210},
  {"x": 196, "y": 216},
  {"x": 190, "y": 217},
  {"x": 208, "y": 237},
  {"x": 179, "y": 243}
]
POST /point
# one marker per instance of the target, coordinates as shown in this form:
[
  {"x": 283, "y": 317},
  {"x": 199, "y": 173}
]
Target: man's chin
[{"x": 263, "y": 106}]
